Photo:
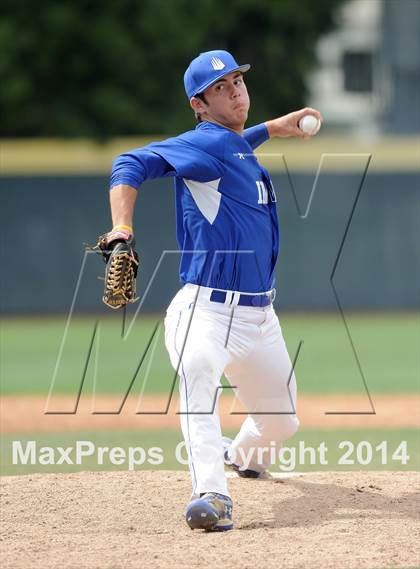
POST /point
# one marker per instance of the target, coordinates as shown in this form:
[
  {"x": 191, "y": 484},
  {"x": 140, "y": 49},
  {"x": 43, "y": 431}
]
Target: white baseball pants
[{"x": 205, "y": 339}]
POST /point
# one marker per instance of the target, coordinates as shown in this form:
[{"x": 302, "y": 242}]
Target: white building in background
[
  {"x": 368, "y": 76},
  {"x": 347, "y": 86}
]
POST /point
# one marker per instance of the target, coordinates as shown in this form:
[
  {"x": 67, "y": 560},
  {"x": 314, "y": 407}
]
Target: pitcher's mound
[{"x": 127, "y": 520}]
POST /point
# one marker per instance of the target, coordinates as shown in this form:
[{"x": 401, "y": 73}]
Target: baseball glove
[{"x": 122, "y": 261}]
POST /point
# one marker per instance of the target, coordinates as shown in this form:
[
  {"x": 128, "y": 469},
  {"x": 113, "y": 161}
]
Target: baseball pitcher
[{"x": 222, "y": 320}]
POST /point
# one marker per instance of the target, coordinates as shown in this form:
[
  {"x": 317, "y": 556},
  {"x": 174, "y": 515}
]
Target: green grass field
[
  {"x": 387, "y": 347},
  {"x": 169, "y": 439}
]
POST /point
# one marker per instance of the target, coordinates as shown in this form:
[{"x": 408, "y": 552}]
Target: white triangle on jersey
[{"x": 206, "y": 196}]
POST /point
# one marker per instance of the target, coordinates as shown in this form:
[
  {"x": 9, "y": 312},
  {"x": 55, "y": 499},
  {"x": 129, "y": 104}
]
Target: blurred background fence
[{"x": 47, "y": 219}]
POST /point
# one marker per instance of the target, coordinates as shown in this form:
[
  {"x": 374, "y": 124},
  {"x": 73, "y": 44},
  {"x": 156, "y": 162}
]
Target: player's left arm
[
  {"x": 288, "y": 125},
  {"x": 256, "y": 135}
]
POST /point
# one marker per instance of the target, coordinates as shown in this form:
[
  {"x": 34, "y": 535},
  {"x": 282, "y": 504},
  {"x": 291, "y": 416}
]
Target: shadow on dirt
[{"x": 318, "y": 503}]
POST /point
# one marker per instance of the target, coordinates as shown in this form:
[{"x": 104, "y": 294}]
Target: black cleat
[{"x": 211, "y": 512}]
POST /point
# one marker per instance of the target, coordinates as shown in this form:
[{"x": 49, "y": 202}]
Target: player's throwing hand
[{"x": 288, "y": 125}]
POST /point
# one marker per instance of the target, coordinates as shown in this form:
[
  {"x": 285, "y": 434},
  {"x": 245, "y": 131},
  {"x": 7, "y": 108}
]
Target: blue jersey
[{"x": 227, "y": 226}]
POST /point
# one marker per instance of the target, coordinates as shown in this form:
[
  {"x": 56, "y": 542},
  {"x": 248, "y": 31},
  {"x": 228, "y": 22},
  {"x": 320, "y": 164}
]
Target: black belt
[{"x": 260, "y": 300}]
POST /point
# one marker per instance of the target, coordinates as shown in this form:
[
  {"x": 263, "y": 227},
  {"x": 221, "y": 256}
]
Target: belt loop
[
  {"x": 235, "y": 299},
  {"x": 229, "y": 298}
]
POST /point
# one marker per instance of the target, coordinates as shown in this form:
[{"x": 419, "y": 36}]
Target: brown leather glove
[{"x": 122, "y": 262}]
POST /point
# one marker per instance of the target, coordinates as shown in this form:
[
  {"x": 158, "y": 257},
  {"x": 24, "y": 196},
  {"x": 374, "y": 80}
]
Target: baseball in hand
[{"x": 309, "y": 124}]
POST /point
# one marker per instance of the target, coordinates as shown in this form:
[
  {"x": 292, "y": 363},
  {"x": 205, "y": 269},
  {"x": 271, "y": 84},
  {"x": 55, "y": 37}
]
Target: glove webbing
[{"x": 120, "y": 279}]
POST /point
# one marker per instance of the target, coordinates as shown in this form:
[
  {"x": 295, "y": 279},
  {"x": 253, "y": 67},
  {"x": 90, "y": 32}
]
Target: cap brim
[{"x": 242, "y": 68}]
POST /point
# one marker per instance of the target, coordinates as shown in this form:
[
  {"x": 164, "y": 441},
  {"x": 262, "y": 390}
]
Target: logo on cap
[{"x": 217, "y": 63}]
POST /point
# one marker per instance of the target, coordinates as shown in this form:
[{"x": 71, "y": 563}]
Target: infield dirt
[
  {"x": 121, "y": 520},
  {"x": 26, "y": 413}
]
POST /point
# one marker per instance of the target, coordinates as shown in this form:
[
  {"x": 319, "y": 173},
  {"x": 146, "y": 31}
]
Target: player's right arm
[
  {"x": 176, "y": 156},
  {"x": 117, "y": 247},
  {"x": 122, "y": 199},
  {"x": 129, "y": 171}
]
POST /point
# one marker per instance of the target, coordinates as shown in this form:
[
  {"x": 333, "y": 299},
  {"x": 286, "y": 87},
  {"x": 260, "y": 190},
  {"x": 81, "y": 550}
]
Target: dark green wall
[{"x": 46, "y": 220}]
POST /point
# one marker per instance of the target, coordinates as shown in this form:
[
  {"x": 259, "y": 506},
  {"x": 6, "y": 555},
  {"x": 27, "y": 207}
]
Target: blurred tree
[{"x": 112, "y": 67}]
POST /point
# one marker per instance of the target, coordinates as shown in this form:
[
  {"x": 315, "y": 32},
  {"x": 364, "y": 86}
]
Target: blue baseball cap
[{"x": 208, "y": 68}]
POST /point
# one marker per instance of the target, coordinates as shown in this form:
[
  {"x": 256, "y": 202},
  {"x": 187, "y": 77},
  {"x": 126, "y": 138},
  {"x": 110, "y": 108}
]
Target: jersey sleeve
[
  {"x": 171, "y": 157},
  {"x": 256, "y": 135}
]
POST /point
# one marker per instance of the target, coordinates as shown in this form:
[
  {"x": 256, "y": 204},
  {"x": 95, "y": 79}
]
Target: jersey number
[
  {"x": 262, "y": 192},
  {"x": 264, "y": 195}
]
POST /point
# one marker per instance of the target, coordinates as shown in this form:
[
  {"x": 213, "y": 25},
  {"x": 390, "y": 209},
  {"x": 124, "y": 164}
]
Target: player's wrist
[
  {"x": 117, "y": 234},
  {"x": 123, "y": 228},
  {"x": 270, "y": 128}
]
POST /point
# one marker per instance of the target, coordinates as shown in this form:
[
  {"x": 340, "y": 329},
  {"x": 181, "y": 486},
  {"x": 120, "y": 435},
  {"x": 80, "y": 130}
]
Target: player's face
[{"x": 227, "y": 101}]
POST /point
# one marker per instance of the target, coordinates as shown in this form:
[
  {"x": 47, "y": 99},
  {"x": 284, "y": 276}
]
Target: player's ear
[{"x": 197, "y": 105}]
